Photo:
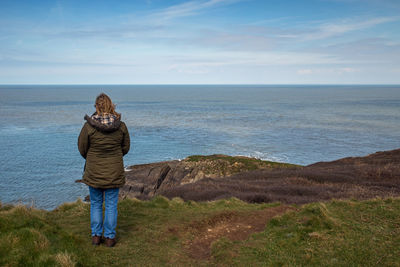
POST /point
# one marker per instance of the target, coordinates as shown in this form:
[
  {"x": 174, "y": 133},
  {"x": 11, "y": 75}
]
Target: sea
[{"x": 300, "y": 124}]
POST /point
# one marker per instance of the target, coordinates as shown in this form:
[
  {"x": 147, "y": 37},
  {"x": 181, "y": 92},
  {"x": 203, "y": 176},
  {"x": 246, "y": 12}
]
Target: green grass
[
  {"x": 338, "y": 233},
  {"x": 230, "y": 165},
  {"x": 154, "y": 233},
  {"x": 251, "y": 162}
]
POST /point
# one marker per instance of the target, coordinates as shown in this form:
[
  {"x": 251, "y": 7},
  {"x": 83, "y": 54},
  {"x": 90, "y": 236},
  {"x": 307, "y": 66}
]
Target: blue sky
[{"x": 200, "y": 42}]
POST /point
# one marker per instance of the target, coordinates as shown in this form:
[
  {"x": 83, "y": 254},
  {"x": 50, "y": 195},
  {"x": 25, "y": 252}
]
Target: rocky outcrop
[
  {"x": 375, "y": 175},
  {"x": 203, "y": 178},
  {"x": 147, "y": 180}
]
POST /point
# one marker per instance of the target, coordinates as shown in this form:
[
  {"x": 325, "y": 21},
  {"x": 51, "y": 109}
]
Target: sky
[{"x": 200, "y": 42}]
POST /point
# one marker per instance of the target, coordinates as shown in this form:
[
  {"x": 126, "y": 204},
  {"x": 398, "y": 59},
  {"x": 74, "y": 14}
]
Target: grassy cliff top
[
  {"x": 220, "y": 233},
  {"x": 246, "y": 161},
  {"x": 224, "y": 165}
]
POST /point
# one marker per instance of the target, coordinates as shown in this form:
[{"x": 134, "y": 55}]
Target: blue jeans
[{"x": 96, "y": 211}]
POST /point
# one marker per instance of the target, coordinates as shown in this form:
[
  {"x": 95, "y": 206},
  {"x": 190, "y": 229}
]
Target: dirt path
[{"x": 232, "y": 225}]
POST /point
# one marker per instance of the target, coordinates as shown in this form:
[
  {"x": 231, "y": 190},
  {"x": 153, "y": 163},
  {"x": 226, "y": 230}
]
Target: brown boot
[
  {"x": 96, "y": 240},
  {"x": 110, "y": 242}
]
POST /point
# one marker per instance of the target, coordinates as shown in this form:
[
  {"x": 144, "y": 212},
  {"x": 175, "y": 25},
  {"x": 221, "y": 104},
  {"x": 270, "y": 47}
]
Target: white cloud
[
  {"x": 317, "y": 30},
  {"x": 304, "y": 71},
  {"x": 363, "y": 51},
  {"x": 189, "y": 69},
  {"x": 233, "y": 41},
  {"x": 188, "y": 8},
  {"x": 343, "y": 70},
  {"x": 347, "y": 70},
  {"x": 396, "y": 70},
  {"x": 327, "y": 30}
]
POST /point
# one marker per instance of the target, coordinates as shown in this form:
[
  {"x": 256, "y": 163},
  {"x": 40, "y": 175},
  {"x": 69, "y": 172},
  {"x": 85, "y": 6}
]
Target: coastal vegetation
[
  {"x": 340, "y": 213},
  {"x": 229, "y": 232},
  {"x": 225, "y": 165},
  {"x": 213, "y": 177},
  {"x": 144, "y": 181}
]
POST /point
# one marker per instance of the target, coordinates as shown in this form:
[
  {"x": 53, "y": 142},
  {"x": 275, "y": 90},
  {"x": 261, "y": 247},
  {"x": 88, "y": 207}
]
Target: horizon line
[{"x": 201, "y": 84}]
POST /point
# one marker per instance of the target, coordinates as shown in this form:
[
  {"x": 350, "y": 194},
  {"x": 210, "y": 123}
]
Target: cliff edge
[
  {"x": 203, "y": 178},
  {"x": 147, "y": 180}
]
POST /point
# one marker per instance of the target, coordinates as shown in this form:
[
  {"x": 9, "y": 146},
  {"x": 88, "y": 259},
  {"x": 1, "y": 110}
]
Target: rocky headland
[
  {"x": 147, "y": 180},
  {"x": 202, "y": 178}
]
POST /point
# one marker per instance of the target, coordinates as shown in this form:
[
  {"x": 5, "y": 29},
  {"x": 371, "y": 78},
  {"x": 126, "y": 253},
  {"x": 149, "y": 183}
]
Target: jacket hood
[{"x": 106, "y": 124}]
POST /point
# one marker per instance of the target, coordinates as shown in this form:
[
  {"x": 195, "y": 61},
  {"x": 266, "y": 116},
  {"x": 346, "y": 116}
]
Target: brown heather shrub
[{"x": 376, "y": 175}]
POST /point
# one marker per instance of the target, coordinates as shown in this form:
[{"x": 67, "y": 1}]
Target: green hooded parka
[{"x": 103, "y": 146}]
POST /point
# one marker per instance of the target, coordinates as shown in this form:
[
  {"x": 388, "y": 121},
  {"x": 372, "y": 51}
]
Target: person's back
[
  {"x": 108, "y": 143},
  {"x": 103, "y": 141}
]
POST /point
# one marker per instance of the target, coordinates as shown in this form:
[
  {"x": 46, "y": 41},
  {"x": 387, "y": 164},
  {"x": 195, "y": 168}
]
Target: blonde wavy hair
[{"x": 104, "y": 105}]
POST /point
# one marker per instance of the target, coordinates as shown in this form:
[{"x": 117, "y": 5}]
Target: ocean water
[{"x": 297, "y": 124}]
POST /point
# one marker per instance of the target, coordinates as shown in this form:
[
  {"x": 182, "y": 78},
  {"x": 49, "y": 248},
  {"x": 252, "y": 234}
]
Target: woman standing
[{"x": 103, "y": 141}]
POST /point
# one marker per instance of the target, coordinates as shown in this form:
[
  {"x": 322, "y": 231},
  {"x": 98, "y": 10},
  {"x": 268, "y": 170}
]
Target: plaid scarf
[{"x": 106, "y": 119}]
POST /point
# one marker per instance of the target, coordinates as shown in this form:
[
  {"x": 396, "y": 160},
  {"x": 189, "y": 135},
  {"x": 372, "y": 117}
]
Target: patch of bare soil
[{"x": 232, "y": 225}]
